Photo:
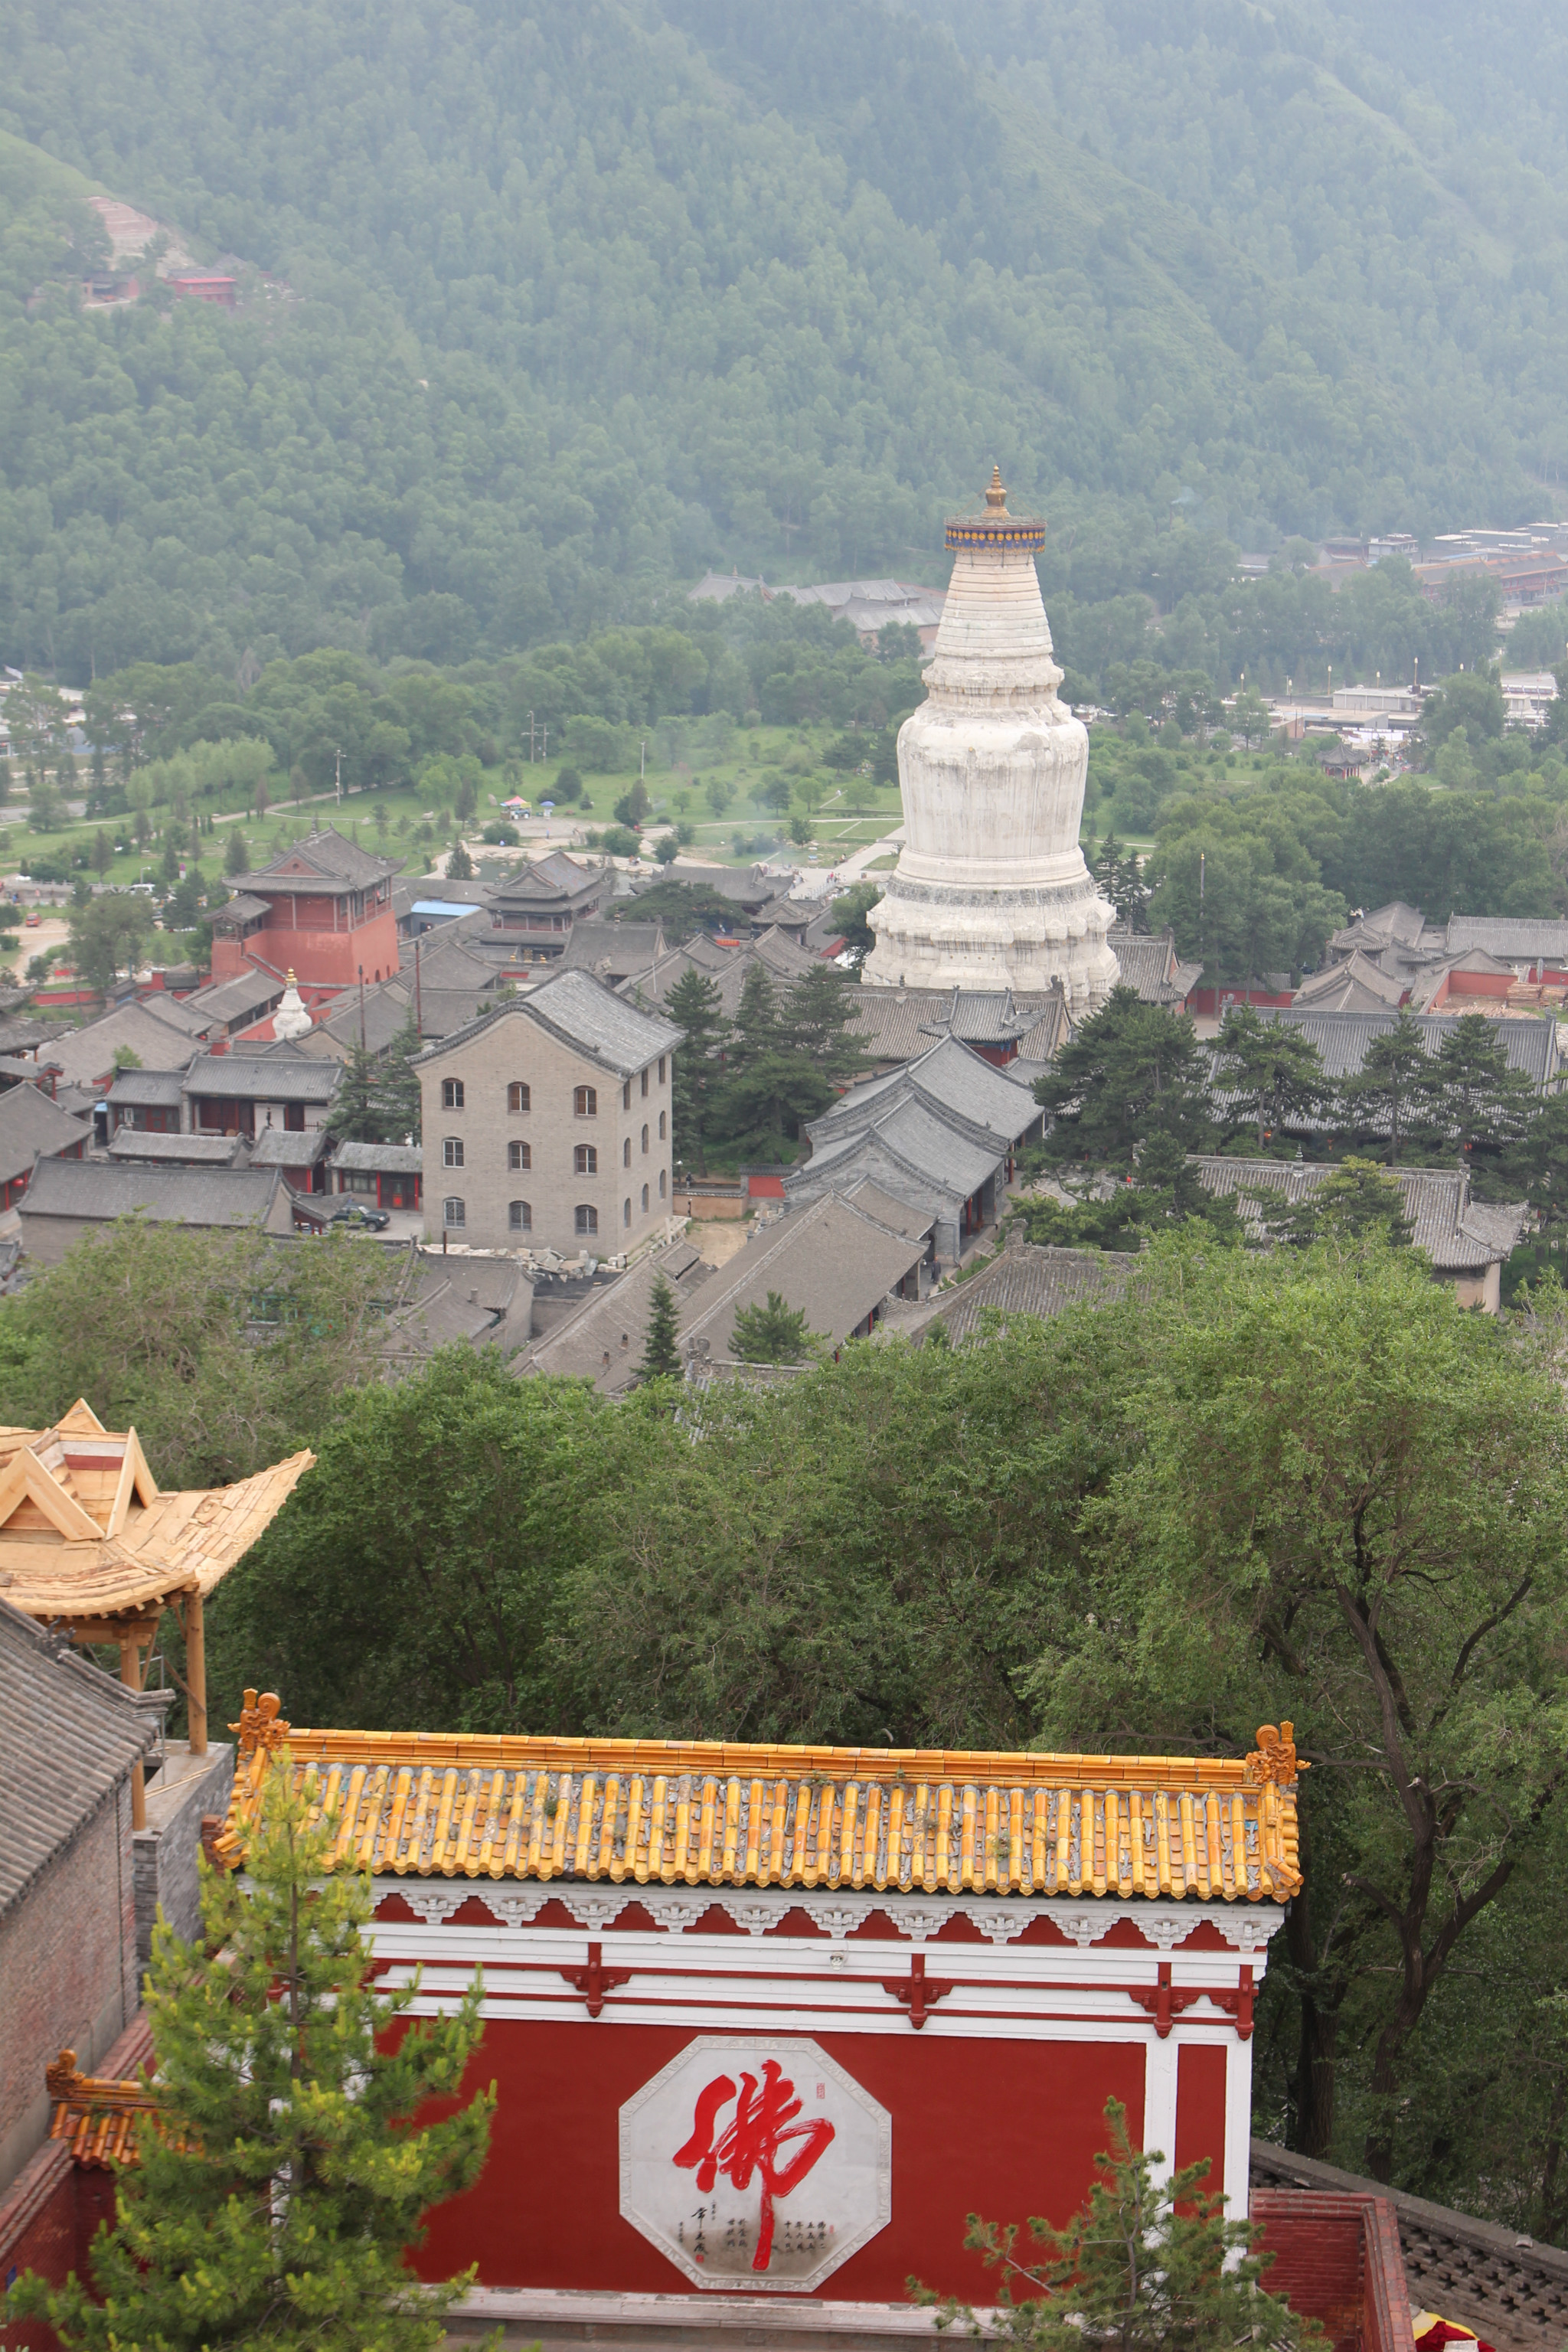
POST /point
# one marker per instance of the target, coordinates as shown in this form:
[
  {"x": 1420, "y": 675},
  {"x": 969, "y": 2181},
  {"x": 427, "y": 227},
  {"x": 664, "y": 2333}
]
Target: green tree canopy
[{"x": 1130, "y": 1070}]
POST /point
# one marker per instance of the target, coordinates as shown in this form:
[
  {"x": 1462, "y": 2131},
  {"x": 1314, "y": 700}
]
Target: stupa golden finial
[{"x": 996, "y": 497}]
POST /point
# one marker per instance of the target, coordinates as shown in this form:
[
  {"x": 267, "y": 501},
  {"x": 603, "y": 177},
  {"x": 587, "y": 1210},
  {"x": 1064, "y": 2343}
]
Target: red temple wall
[
  {"x": 318, "y": 959},
  {"x": 1200, "y": 2108},
  {"x": 1005, "y": 2129}
]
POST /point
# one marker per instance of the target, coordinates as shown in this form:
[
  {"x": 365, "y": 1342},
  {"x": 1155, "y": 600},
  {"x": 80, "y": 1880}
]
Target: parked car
[{"x": 354, "y": 1212}]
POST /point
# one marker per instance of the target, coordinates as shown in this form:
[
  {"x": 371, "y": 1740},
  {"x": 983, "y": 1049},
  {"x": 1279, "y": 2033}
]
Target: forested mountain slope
[{"x": 588, "y": 298}]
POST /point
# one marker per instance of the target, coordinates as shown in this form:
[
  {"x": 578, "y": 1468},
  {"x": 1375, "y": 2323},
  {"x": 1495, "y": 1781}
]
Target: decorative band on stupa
[{"x": 996, "y": 527}]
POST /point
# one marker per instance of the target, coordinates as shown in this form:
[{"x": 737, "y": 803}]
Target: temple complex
[{"x": 992, "y": 891}]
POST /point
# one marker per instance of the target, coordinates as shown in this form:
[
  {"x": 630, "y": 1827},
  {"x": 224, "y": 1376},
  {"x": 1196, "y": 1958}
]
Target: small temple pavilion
[
  {"x": 89, "y": 1541},
  {"x": 773, "y": 2020}
]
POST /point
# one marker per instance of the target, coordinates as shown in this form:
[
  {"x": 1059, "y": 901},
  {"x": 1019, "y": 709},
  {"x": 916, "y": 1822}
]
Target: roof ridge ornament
[
  {"x": 261, "y": 1727},
  {"x": 1274, "y": 1759},
  {"x": 996, "y": 496}
]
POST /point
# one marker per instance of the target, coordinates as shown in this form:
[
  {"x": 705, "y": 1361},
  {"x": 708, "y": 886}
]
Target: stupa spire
[{"x": 991, "y": 889}]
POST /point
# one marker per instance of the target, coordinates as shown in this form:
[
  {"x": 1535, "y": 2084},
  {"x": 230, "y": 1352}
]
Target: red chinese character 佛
[{"x": 761, "y": 2125}]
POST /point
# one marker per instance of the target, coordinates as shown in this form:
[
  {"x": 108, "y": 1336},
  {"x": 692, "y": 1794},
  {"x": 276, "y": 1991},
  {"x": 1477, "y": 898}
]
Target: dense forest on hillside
[{"x": 564, "y": 308}]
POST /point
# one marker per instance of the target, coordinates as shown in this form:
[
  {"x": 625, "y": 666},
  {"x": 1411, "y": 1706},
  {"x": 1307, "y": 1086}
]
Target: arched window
[
  {"x": 645, "y": 1083},
  {"x": 520, "y": 1217},
  {"x": 661, "y": 1069},
  {"x": 517, "y": 1097},
  {"x": 519, "y": 1155},
  {"x": 454, "y": 1213},
  {"x": 626, "y": 1095},
  {"x": 663, "y": 1115},
  {"x": 585, "y": 1160},
  {"x": 645, "y": 1139},
  {"x": 451, "y": 1094},
  {"x": 451, "y": 1152},
  {"x": 586, "y": 1102},
  {"x": 627, "y": 1211},
  {"x": 662, "y": 1173},
  {"x": 587, "y": 1218},
  {"x": 645, "y": 1200},
  {"x": 626, "y": 1152}
]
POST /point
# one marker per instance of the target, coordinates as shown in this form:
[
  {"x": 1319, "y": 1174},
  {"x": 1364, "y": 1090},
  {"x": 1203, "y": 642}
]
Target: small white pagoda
[{"x": 992, "y": 890}]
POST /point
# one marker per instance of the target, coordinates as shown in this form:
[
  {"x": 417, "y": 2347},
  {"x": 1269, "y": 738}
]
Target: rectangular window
[
  {"x": 452, "y": 1151},
  {"x": 454, "y": 1212},
  {"x": 519, "y": 1155},
  {"x": 451, "y": 1094},
  {"x": 517, "y": 1095},
  {"x": 520, "y": 1217},
  {"x": 587, "y": 1219},
  {"x": 585, "y": 1160},
  {"x": 586, "y": 1102}
]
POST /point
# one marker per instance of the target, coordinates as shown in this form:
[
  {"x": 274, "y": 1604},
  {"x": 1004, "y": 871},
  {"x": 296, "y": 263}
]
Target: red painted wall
[
  {"x": 1002, "y": 2128},
  {"x": 1200, "y": 2108},
  {"x": 318, "y": 959}
]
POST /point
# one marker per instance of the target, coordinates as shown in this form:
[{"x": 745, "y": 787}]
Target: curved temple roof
[
  {"x": 718, "y": 1814},
  {"x": 86, "y": 1533}
]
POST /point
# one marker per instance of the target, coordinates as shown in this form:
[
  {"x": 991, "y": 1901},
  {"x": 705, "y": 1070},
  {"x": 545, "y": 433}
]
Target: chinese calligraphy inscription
[{"x": 756, "y": 2162}]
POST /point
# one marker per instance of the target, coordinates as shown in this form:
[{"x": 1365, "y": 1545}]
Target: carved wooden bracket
[
  {"x": 916, "y": 1993},
  {"x": 596, "y": 1980},
  {"x": 1239, "y": 2004},
  {"x": 1163, "y": 2003}
]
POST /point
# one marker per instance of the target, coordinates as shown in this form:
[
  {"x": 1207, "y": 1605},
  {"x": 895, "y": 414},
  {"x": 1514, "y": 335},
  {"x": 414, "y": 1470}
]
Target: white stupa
[
  {"x": 290, "y": 1020},
  {"x": 992, "y": 890}
]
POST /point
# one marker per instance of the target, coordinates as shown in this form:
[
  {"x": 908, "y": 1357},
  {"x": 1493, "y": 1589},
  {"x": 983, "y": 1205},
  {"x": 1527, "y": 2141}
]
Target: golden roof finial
[{"x": 996, "y": 497}]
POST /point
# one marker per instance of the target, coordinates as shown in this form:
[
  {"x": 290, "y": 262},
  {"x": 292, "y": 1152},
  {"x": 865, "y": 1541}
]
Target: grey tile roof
[
  {"x": 181, "y": 1012},
  {"x": 31, "y": 1123},
  {"x": 1148, "y": 964},
  {"x": 553, "y": 881},
  {"x": 326, "y": 856},
  {"x": 950, "y": 1080},
  {"x": 178, "y": 1150},
  {"x": 241, "y": 908},
  {"x": 1457, "y": 1232},
  {"x": 391, "y": 1159},
  {"x": 584, "y": 1014},
  {"x": 288, "y": 1146},
  {"x": 239, "y": 1001},
  {"x": 899, "y": 1216},
  {"x": 612, "y": 951},
  {"x": 83, "y": 1054},
  {"x": 1357, "y": 985},
  {"x": 263, "y": 1077},
  {"x": 603, "y": 1341},
  {"x": 832, "y": 1260},
  {"x": 148, "y": 1089},
  {"x": 1517, "y": 939},
  {"x": 97, "y": 1190},
  {"x": 1342, "y": 1039},
  {"x": 69, "y": 1737},
  {"x": 1028, "y": 1280}
]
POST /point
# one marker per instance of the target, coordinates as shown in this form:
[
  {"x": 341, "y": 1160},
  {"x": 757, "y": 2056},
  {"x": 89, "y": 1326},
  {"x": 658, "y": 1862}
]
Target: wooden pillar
[
  {"x": 130, "y": 1675},
  {"x": 196, "y": 1673}
]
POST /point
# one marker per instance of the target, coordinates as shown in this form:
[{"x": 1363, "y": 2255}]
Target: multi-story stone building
[{"x": 547, "y": 1123}]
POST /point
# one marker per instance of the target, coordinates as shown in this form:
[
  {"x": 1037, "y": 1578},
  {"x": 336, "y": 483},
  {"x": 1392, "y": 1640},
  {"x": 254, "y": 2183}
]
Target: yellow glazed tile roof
[
  {"x": 719, "y": 1813},
  {"x": 87, "y": 1533}
]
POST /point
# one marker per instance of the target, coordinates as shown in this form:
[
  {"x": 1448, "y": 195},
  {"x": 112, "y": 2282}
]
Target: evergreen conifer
[
  {"x": 661, "y": 1354},
  {"x": 282, "y": 2180},
  {"x": 1148, "y": 2265}
]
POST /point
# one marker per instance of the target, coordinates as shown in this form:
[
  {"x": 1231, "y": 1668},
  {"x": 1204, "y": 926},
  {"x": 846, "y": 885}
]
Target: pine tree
[
  {"x": 461, "y": 866},
  {"x": 1146, "y": 2266},
  {"x": 773, "y": 1334},
  {"x": 281, "y": 2182},
  {"x": 397, "y": 1099},
  {"x": 820, "y": 1021},
  {"x": 355, "y": 1116},
  {"x": 1357, "y": 1200},
  {"x": 1270, "y": 1076},
  {"x": 1388, "y": 1093},
  {"x": 695, "y": 1003},
  {"x": 661, "y": 1352},
  {"x": 236, "y": 853}
]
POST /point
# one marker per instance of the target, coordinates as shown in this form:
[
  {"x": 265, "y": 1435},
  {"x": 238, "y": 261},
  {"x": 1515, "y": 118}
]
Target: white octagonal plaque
[{"x": 754, "y": 2161}]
